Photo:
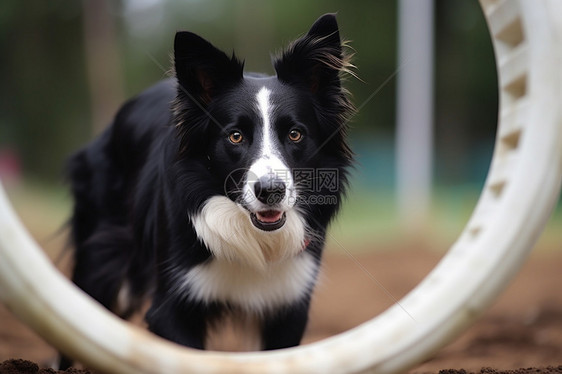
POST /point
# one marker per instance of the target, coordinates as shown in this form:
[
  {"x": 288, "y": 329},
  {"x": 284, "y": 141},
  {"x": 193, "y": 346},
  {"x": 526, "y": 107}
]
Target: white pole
[{"x": 414, "y": 137}]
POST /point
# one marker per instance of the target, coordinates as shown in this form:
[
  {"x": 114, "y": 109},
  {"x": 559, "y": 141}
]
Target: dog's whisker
[{"x": 365, "y": 102}]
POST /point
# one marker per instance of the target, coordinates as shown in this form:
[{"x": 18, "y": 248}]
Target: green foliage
[
  {"x": 43, "y": 102},
  {"x": 45, "y": 109}
]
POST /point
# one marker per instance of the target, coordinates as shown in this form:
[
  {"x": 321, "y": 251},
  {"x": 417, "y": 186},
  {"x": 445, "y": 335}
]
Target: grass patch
[{"x": 367, "y": 221}]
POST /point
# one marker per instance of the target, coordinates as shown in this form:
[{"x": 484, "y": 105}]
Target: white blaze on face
[
  {"x": 229, "y": 232},
  {"x": 269, "y": 162}
]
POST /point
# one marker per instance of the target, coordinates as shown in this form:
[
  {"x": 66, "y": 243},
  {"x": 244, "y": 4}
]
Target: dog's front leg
[
  {"x": 286, "y": 327},
  {"x": 179, "y": 321}
]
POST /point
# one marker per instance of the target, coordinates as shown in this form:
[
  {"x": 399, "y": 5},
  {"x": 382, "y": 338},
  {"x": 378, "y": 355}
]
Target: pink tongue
[{"x": 269, "y": 216}]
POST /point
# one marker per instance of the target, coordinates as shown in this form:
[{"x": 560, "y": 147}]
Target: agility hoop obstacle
[{"x": 520, "y": 192}]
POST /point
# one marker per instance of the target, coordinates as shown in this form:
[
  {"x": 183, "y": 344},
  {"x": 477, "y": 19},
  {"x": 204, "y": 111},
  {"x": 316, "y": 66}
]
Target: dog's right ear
[
  {"x": 315, "y": 60},
  {"x": 202, "y": 70}
]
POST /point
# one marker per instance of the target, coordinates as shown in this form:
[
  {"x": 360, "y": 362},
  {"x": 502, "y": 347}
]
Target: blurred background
[{"x": 68, "y": 65}]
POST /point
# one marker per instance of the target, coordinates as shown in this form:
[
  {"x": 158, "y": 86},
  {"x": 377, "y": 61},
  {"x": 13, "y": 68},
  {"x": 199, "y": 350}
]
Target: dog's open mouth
[{"x": 268, "y": 220}]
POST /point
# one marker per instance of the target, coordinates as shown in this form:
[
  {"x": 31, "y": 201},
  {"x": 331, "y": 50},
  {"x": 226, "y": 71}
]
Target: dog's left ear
[
  {"x": 203, "y": 70},
  {"x": 316, "y": 59}
]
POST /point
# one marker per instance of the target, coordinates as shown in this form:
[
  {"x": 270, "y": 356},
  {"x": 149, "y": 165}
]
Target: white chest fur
[
  {"x": 227, "y": 231},
  {"x": 255, "y": 291}
]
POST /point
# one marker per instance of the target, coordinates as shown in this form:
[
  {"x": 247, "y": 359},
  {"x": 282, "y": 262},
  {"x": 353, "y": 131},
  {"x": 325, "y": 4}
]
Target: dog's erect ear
[
  {"x": 201, "y": 69},
  {"x": 314, "y": 63},
  {"x": 315, "y": 60}
]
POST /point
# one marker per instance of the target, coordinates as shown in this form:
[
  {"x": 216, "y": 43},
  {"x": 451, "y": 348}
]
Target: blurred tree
[
  {"x": 103, "y": 62},
  {"x": 43, "y": 109},
  {"x": 466, "y": 92}
]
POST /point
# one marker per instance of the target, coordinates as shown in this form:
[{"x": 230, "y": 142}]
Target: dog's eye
[
  {"x": 236, "y": 137},
  {"x": 295, "y": 136}
]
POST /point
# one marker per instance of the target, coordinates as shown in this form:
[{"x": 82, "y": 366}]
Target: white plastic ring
[{"x": 521, "y": 189}]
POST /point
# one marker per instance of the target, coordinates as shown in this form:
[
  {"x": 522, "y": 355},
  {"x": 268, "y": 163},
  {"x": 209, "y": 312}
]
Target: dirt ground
[{"x": 523, "y": 329}]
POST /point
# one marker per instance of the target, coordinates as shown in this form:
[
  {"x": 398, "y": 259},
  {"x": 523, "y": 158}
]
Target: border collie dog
[{"x": 210, "y": 194}]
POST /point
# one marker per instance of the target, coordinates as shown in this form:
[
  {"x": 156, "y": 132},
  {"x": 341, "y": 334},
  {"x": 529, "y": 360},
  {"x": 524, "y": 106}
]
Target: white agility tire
[{"x": 520, "y": 192}]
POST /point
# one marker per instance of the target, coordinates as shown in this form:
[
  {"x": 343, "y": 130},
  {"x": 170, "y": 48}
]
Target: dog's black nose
[{"x": 270, "y": 190}]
